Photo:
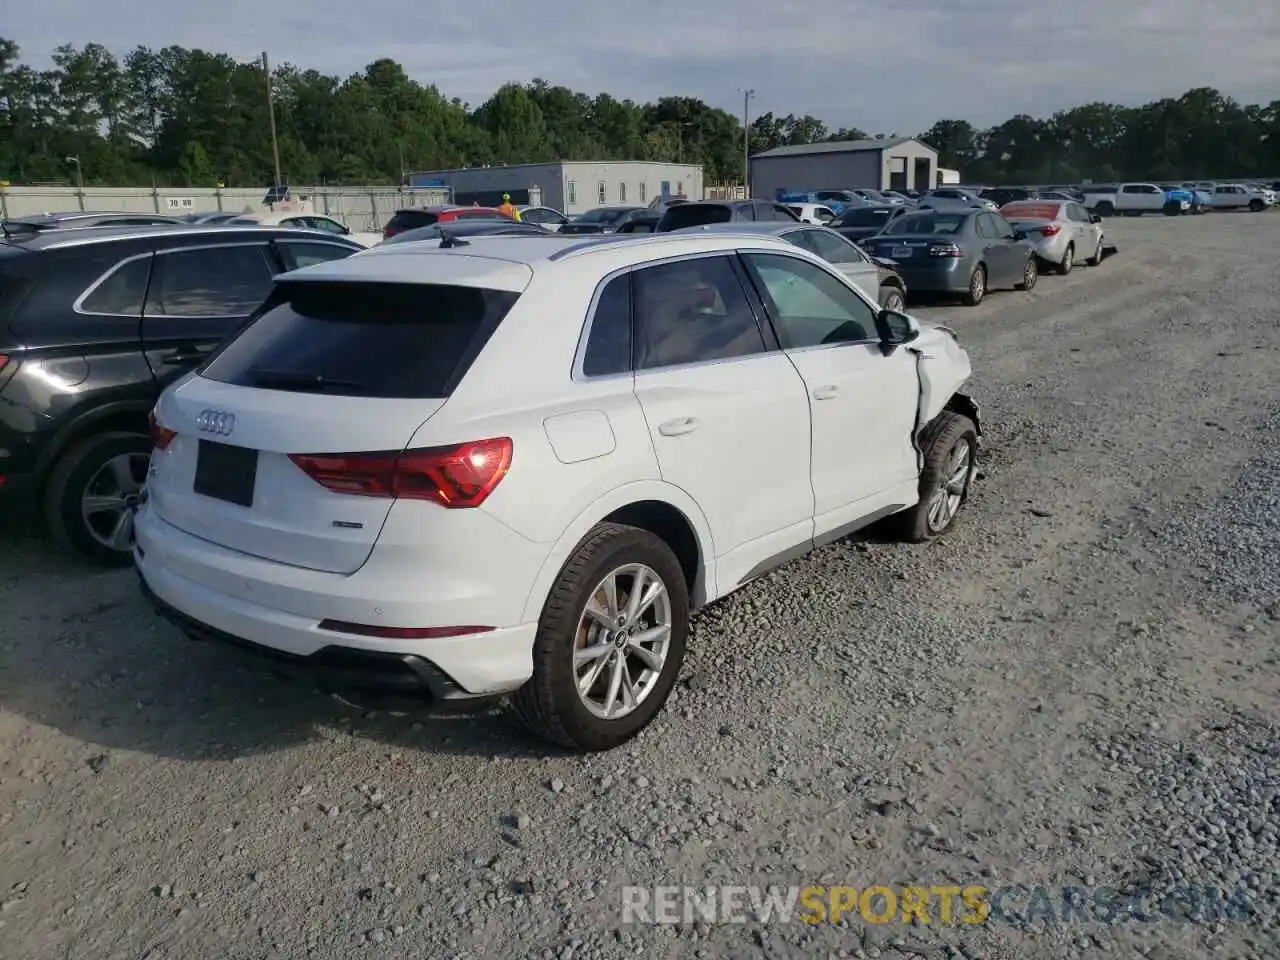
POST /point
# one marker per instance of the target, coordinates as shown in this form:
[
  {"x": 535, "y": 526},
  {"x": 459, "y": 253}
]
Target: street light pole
[
  {"x": 747, "y": 94},
  {"x": 271, "y": 114},
  {"x": 75, "y": 162}
]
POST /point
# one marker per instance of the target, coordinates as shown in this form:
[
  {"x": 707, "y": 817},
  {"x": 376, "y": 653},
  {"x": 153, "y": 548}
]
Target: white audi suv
[{"x": 514, "y": 465}]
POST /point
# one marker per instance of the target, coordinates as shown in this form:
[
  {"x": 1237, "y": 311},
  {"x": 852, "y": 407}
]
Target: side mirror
[
  {"x": 895, "y": 329},
  {"x": 1094, "y": 218}
]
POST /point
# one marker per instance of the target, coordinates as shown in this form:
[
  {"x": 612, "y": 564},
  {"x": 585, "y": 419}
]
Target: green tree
[{"x": 180, "y": 115}]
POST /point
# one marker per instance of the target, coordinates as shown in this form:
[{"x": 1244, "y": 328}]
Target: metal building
[
  {"x": 573, "y": 187},
  {"x": 897, "y": 163}
]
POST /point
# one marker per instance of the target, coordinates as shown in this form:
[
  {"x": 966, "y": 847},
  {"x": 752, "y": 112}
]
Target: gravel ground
[{"x": 1076, "y": 689}]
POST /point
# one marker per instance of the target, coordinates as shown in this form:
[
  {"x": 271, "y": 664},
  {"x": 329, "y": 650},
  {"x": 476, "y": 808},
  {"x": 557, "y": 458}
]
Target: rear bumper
[
  {"x": 940, "y": 275},
  {"x": 472, "y": 665},
  {"x": 1052, "y": 249}
]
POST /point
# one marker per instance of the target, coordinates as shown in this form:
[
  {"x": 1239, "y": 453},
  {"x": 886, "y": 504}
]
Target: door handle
[
  {"x": 678, "y": 427},
  {"x": 826, "y": 392},
  {"x": 183, "y": 356}
]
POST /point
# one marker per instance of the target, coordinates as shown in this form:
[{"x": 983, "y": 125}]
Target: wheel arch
[
  {"x": 129, "y": 416},
  {"x": 664, "y": 510}
]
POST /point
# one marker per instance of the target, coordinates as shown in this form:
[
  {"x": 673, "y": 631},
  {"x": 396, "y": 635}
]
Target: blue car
[
  {"x": 837, "y": 201},
  {"x": 1180, "y": 200}
]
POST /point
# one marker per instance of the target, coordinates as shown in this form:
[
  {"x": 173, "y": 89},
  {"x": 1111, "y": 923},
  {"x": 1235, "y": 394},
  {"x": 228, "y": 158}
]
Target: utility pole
[
  {"x": 746, "y": 142},
  {"x": 271, "y": 113}
]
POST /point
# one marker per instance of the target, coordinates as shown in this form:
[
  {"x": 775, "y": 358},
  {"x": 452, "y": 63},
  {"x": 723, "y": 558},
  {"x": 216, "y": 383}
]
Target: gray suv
[{"x": 701, "y": 212}]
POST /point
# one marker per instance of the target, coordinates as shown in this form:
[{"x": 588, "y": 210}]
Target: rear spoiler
[{"x": 18, "y": 228}]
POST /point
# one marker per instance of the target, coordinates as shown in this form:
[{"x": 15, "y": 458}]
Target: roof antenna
[{"x": 448, "y": 241}]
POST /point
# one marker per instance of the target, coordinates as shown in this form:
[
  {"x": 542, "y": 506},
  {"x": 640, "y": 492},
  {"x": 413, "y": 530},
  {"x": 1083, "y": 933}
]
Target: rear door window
[
  {"x": 692, "y": 311},
  {"x": 385, "y": 340},
  {"x": 210, "y": 282},
  {"x": 122, "y": 292},
  {"x": 833, "y": 248}
]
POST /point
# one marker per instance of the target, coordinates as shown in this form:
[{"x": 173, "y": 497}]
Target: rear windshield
[
  {"x": 863, "y": 217},
  {"x": 694, "y": 215},
  {"x": 385, "y": 340},
  {"x": 604, "y": 215},
  {"x": 408, "y": 219},
  {"x": 930, "y": 223}
]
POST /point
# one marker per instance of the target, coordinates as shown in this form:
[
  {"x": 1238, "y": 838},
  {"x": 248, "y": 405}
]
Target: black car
[
  {"x": 93, "y": 324},
  {"x": 643, "y": 223},
  {"x": 63, "y": 221},
  {"x": 702, "y": 212},
  {"x": 858, "y": 223},
  {"x": 1002, "y": 195},
  {"x": 471, "y": 228},
  {"x": 602, "y": 220}
]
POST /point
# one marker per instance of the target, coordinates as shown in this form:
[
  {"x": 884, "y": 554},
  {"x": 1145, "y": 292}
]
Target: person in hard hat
[{"x": 507, "y": 209}]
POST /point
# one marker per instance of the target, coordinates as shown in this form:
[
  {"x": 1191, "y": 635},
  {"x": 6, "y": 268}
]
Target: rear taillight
[
  {"x": 1051, "y": 230},
  {"x": 945, "y": 250},
  {"x": 161, "y": 436},
  {"x": 462, "y": 475},
  {"x": 388, "y": 232},
  {"x": 4, "y": 360}
]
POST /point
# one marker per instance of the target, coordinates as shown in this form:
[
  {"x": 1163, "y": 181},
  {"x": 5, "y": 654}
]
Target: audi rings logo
[{"x": 217, "y": 422}]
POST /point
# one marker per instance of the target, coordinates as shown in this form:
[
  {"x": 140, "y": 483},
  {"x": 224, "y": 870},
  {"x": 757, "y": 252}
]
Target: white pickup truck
[
  {"x": 1241, "y": 196},
  {"x": 1128, "y": 199}
]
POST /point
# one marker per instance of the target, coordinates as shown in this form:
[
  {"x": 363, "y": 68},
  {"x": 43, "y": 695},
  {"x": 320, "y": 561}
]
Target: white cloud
[{"x": 885, "y": 67}]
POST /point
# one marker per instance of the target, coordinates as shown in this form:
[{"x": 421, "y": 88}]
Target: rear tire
[
  {"x": 1105, "y": 209},
  {"x": 550, "y": 703},
  {"x": 77, "y": 495},
  {"x": 977, "y": 286},
  {"x": 1068, "y": 260},
  {"x": 1030, "y": 274},
  {"x": 950, "y": 445},
  {"x": 891, "y": 298}
]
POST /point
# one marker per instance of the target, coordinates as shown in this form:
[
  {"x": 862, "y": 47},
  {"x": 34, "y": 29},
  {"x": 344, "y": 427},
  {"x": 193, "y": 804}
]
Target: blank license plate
[
  {"x": 226, "y": 473},
  {"x": 899, "y": 252}
]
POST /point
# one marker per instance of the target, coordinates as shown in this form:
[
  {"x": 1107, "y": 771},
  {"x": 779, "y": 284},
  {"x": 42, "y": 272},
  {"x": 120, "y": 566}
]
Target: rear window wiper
[{"x": 297, "y": 380}]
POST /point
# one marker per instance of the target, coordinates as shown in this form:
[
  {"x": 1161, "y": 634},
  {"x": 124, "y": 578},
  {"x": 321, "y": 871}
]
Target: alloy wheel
[
  {"x": 946, "y": 499},
  {"x": 622, "y": 641},
  {"x": 977, "y": 284},
  {"x": 110, "y": 498}
]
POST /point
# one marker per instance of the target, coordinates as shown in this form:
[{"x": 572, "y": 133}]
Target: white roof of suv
[{"x": 508, "y": 262}]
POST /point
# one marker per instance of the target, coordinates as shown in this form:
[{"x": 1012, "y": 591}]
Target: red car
[{"x": 410, "y": 218}]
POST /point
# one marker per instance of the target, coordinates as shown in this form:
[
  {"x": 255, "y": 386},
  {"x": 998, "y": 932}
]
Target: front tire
[
  {"x": 950, "y": 446},
  {"x": 1068, "y": 260},
  {"x": 1096, "y": 259},
  {"x": 1256, "y": 206},
  {"x": 610, "y": 641},
  {"x": 92, "y": 493}
]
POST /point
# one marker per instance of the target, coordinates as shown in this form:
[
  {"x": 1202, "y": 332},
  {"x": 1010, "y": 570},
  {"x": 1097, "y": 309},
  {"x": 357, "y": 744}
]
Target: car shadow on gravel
[{"x": 83, "y": 653}]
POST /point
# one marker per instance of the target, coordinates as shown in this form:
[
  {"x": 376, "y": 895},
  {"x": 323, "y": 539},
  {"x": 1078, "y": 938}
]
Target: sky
[{"x": 885, "y": 67}]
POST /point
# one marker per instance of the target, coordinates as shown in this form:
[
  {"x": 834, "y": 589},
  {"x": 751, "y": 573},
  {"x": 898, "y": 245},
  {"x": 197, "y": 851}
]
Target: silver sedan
[{"x": 1062, "y": 231}]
